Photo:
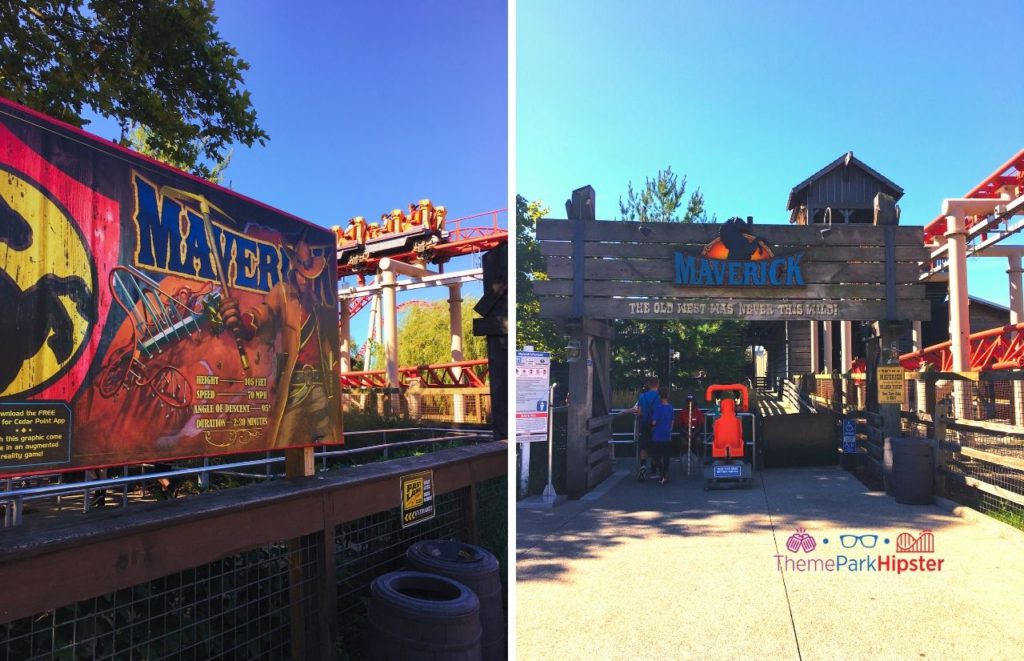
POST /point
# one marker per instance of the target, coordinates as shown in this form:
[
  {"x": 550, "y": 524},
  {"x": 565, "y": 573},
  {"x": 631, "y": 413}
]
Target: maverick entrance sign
[{"x": 732, "y": 270}]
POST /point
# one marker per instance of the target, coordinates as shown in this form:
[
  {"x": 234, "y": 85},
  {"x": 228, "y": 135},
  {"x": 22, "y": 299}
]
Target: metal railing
[{"x": 13, "y": 500}]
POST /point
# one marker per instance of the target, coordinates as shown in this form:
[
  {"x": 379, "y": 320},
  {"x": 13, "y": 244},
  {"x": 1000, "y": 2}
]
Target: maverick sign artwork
[
  {"x": 733, "y": 270},
  {"x": 151, "y": 315},
  {"x": 737, "y": 258}
]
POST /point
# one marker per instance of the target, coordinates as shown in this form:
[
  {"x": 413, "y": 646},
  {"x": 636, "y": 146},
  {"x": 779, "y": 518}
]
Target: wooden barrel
[
  {"x": 416, "y": 615},
  {"x": 477, "y": 569}
]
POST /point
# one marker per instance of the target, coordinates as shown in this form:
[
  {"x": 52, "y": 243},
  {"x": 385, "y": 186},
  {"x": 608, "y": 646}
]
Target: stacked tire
[
  {"x": 477, "y": 569},
  {"x": 415, "y": 615}
]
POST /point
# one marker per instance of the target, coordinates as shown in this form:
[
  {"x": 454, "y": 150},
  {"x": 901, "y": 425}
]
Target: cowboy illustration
[{"x": 299, "y": 311}]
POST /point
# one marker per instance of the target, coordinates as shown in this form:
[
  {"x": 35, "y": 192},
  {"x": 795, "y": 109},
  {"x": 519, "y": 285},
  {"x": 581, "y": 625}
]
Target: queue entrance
[{"x": 600, "y": 271}]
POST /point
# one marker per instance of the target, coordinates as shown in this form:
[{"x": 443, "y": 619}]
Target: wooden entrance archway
[{"x": 605, "y": 270}]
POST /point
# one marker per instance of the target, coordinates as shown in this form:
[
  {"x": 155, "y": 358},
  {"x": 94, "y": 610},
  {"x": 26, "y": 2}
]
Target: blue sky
[
  {"x": 371, "y": 106},
  {"x": 749, "y": 99}
]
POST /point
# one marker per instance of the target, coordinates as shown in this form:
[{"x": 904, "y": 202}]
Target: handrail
[{"x": 14, "y": 499}]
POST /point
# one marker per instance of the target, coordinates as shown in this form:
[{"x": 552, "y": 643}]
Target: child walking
[{"x": 661, "y": 435}]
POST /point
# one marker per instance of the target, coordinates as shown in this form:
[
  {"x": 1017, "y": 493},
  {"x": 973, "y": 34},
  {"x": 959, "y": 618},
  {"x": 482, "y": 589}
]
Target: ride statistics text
[
  {"x": 34, "y": 434},
  {"x": 241, "y": 406}
]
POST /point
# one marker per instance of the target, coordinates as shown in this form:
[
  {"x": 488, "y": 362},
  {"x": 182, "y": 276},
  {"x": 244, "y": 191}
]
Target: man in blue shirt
[
  {"x": 661, "y": 436},
  {"x": 644, "y": 408}
]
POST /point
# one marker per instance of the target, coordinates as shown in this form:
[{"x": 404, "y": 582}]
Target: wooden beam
[
  {"x": 595, "y": 327},
  {"x": 41, "y": 567},
  {"x": 915, "y": 254},
  {"x": 696, "y": 233},
  {"x": 980, "y": 485},
  {"x": 997, "y": 459},
  {"x": 985, "y": 425},
  {"x": 749, "y": 309},
  {"x": 655, "y": 289},
  {"x": 644, "y": 270}
]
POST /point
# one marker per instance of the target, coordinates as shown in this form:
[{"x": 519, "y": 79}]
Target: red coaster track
[
  {"x": 997, "y": 348},
  {"x": 1010, "y": 173},
  {"x": 442, "y": 375},
  {"x": 994, "y": 349}
]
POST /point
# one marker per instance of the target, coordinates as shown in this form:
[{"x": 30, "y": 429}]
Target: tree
[
  {"x": 161, "y": 65},
  {"x": 424, "y": 336},
  {"x": 139, "y": 138},
  {"x": 661, "y": 200},
  {"x": 675, "y": 351},
  {"x": 542, "y": 334}
]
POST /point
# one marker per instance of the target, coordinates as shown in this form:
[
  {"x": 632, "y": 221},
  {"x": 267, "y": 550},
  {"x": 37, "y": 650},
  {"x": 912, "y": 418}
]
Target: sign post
[
  {"x": 549, "y": 488},
  {"x": 849, "y": 458},
  {"x": 890, "y": 384},
  {"x": 533, "y": 376}
]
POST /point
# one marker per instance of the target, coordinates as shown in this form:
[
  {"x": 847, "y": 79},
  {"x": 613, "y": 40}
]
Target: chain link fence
[
  {"x": 291, "y": 598},
  {"x": 236, "y": 607},
  {"x": 979, "y": 435}
]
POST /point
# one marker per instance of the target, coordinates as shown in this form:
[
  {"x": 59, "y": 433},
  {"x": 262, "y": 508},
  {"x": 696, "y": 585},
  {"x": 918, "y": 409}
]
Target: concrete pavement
[{"x": 645, "y": 571}]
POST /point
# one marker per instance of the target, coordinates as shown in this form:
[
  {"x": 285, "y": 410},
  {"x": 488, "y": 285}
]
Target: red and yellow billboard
[{"x": 149, "y": 314}]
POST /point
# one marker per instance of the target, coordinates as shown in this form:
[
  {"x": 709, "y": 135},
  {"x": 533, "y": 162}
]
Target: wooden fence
[
  {"x": 296, "y": 535},
  {"x": 975, "y": 427}
]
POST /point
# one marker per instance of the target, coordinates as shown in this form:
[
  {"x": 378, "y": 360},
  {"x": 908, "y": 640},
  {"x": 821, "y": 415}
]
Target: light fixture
[
  {"x": 825, "y": 231},
  {"x": 645, "y": 230},
  {"x": 572, "y": 350}
]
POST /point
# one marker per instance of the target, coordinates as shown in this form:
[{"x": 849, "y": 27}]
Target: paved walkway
[{"x": 645, "y": 571}]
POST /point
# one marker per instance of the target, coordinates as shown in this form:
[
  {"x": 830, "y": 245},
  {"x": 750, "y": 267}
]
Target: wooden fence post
[
  {"x": 470, "y": 514},
  {"x": 940, "y": 457},
  {"x": 299, "y": 462},
  {"x": 891, "y": 424}
]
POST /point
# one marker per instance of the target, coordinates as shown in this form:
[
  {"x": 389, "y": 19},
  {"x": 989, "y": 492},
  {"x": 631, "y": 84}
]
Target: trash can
[{"x": 912, "y": 476}]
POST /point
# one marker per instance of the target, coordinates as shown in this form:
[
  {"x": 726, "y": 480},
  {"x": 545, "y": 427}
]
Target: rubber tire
[
  {"x": 477, "y": 569},
  {"x": 416, "y": 615}
]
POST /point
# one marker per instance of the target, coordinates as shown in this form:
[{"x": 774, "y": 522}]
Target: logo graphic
[
  {"x": 738, "y": 258},
  {"x": 47, "y": 285},
  {"x": 801, "y": 539},
  {"x": 923, "y": 543},
  {"x": 867, "y": 541},
  {"x": 737, "y": 241},
  {"x": 413, "y": 496}
]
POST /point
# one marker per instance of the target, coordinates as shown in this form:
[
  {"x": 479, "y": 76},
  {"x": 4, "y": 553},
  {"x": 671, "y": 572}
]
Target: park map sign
[
  {"x": 113, "y": 271},
  {"x": 732, "y": 270}
]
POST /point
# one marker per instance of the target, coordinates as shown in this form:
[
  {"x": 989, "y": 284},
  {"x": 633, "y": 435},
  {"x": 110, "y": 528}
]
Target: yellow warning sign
[
  {"x": 890, "y": 385},
  {"x": 417, "y": 497},
  {"x": 412, "y": 493}
]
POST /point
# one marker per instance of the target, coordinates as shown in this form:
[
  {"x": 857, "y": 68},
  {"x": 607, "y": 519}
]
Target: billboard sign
[{"x": 150, "y": 314}]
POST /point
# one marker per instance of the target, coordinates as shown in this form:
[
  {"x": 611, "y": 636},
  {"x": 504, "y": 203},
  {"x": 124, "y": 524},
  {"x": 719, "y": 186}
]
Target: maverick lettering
[
  {"x": 172, "y": 239},
  {"x": 778, "y": 272}
]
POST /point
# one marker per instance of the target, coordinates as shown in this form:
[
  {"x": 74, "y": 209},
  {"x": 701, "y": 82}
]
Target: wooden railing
[{"x": 50, "y": 567}]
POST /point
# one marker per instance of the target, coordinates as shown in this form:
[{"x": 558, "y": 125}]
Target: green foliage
[
  {"x": 542, "y": 334},
  {"x": 161, "y": 65},
  {"x": 661, "y": 200},
  {"x": 424, "y": 337},
  {"x": 678, "y": 352},
  {"x": 648, "y": 348},
  {"x": 140, "y": 140}
]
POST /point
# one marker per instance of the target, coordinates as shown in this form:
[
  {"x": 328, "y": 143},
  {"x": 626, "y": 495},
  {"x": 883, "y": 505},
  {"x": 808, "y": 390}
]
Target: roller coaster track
[
  {"x": 465, "y": 374},
  {"x": 1008, "y": 178},
  {"x": 465, "y": 236},
  {"x": 993, "y": 349},
  {"x": 996, "y": 348}
]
